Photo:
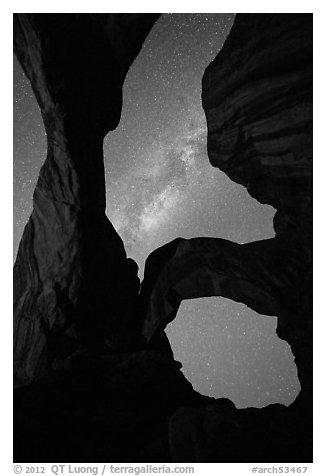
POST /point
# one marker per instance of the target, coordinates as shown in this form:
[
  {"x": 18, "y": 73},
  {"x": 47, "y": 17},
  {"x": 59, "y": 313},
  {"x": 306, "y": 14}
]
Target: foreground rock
[
  {"x": 73, "y": 283},
  {"x": 101, "y": 408},
  {"x": 138, "y": 407}
]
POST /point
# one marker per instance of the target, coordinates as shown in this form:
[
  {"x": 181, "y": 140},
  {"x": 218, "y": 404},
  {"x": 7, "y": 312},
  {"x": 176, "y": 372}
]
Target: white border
[{"x": 6, "y": 235}]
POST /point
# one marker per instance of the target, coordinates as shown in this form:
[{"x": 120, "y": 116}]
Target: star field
[{"x": 160, "y": 185}]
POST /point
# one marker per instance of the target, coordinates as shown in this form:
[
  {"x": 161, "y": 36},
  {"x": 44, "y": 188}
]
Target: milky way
[{"x": 160, "y": 185}]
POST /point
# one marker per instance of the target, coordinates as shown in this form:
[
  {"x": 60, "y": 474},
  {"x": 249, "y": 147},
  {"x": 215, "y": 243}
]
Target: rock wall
[
  {"x": 72, "y": 281},
  {"x": 257, "y": 97}
]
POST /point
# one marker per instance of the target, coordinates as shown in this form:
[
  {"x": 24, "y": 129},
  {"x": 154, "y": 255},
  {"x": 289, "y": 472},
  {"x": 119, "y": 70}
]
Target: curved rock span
[{"x": 96, "y": 375}]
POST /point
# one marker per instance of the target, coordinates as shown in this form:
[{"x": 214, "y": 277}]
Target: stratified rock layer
[
  {"x": 72, "y": 280},
  {"x": 257, "y": 96}
]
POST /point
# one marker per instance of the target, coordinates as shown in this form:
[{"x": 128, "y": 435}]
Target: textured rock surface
[
  {"x": 257, "y": 96},
  {"x": 72, "y": 281}
]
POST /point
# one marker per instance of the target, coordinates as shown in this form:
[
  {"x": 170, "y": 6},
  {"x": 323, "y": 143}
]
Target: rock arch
[{"x": 257, "y": 97}]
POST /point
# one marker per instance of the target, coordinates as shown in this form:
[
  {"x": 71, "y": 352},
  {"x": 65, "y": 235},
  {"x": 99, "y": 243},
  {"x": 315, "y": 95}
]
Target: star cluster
[{"x": 160, "y": 185}]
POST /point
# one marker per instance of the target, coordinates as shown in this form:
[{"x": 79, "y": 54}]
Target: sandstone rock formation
[
  {"x": 257, "y": 96},
  {"x": 72, "y": 280},
  {"x": 90, "y": 389}
]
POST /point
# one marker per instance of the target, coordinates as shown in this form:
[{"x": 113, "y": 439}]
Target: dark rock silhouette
[
  {"x": 91, "y": 386},
  {"x": 257, "y": 96},
  {"x": 72, "y": 279}
]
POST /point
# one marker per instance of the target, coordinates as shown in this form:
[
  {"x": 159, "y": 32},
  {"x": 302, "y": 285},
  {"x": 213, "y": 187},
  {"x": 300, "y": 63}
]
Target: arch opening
[
  {"x": 165, "y": 187},
  {"x": 228, "y": 350}
]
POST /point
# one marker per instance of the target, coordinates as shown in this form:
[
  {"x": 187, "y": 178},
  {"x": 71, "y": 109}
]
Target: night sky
[{"x": 159, "y": 186}]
